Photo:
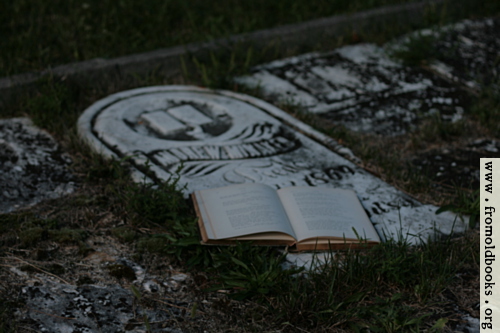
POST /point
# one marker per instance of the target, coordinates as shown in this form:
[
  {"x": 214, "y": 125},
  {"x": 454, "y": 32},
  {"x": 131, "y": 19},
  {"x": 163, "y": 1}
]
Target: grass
[
  {"x": 387, "y": 289},
  {"x": 419, "y": 50},
  {"x": 359, "y": 290},
  {"x": 487, "y": 108},
  {"x": 393, "y": 287},
  {"x": 38, "y": 34}
]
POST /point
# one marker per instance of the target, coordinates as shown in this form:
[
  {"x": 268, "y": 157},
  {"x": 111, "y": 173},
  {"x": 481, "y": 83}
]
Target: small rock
[{"x": 179, "y": 277}]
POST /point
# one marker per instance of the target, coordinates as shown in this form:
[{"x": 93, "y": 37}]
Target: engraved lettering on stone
[
  {"x": 401, "y": 202},
  {"x": 257, "y": 131},
  {"x": 264, "y": 147},
  {"x": 213, "y": 152},
  {"x": 199, "y": 170},
  {"x": 166, "y": 158},
  {"x": 333, "y": 174},
  {"x": 316, "y": 178},
  {"x": 275, "y": 146},
  {"x": 250, "y": 150},
  {"x": 346, "y": 169},
  {"x": 233, "y": 152},
  {"x": 200, "y": 152},
  {"x": 191, "y": 153},
  {"x": 377, "y": 208}
]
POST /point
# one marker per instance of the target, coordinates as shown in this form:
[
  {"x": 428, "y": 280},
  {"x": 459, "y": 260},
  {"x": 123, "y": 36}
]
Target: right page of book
[{"x": 326, "y": 212}]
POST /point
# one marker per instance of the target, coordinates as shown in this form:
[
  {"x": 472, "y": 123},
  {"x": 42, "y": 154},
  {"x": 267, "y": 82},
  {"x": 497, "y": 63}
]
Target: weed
[
  {"x": 157, "y": 243},
  {"x": 390, "y": 315},
  {"x": 434, "y": 129},
  {"x": 101, "y": 168},
  {"x": 120, "y": 271},
  {"x": 159, "y": 204},
  {"x": 32, "y": 236},
  {"x": 31, "y": 230},
  {"x": 12, "y": 221},
  {"x": 350, "y": 288},
  {"x": 53, "y": 100},
  {"x": 249, "y": 271},
  {"x": 9, "y": 302},
  {"x": 217, "y": 69},
  {"x": 163, "y": 207},
  {"x": 486, "y": 108},
  {"x": 417, "y": 50},
  {"x": 138, "y": 296},
  {"x": 466, "y": 204},
  {"x": 67, "y": 235},
  {"x": 85, "y": 200},
  {"x": 125, "y": 234}
]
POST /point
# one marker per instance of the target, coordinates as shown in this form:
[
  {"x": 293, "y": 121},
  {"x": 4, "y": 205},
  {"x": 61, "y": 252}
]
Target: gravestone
[
  {"x": 216, "y": 138},
  {"x": 32, "y": 166},
  {"x": 360, "y": 87}
]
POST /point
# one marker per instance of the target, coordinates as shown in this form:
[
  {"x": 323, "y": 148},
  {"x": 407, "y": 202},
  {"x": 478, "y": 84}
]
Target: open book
[{"x": 309, "y": 218}]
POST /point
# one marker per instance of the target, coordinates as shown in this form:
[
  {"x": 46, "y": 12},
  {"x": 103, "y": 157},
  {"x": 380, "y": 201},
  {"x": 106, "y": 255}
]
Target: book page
[
  {"x": 326, "y": 212},
  {"x": 239, "y": 210}
]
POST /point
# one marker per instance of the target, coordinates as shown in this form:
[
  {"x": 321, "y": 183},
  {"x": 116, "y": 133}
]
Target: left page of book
[{"x": 239, "y": 210}]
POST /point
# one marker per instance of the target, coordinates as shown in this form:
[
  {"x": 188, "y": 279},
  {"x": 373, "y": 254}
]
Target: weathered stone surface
[
  {"x": 56, "y": 307},
  {"x": 360, "y": 87},
  {"x": 246, "y": 140},
  {"x": 32, "y": 167},
  {"x": 468, "y": 51},
  {"x": 65, "y": 308},
  {"x": 98, "y": 293}
]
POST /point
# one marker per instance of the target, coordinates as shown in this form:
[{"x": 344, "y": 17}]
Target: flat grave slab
[
  {"x": 231, "y": 138},
  {"x": 360, "y": 87},
  {"x": 32, "y": 166}
]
